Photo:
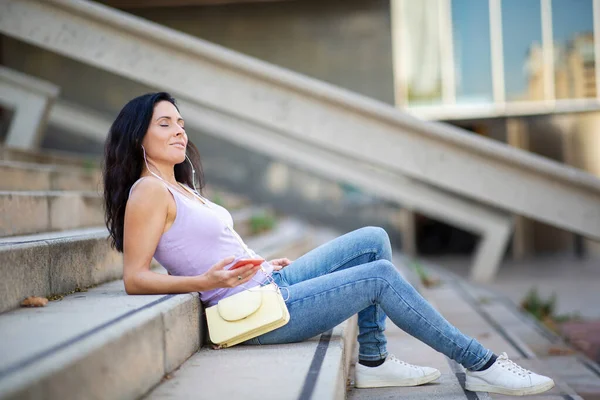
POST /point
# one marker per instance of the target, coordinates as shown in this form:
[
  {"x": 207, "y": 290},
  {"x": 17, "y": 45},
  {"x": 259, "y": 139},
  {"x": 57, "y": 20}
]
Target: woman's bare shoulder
[{"x": 148, "y": 190}]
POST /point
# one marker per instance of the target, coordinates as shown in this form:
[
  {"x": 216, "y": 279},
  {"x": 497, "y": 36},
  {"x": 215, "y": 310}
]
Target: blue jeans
[{"x": 354, "y": 274}]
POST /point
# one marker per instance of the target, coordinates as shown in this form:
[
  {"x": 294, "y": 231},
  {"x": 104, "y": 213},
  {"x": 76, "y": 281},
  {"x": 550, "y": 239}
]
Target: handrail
[{"x": 323, "y": 91}]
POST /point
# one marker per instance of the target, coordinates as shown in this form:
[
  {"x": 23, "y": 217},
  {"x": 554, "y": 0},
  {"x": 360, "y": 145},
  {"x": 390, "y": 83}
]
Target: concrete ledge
[
  {"x": 32, "y": 212},
  {"x": 40, "y": 266},
  {"x": 98, "y": 344},
  {"x": 284, "y": 371},
  {"x": 101, "y": 343}
]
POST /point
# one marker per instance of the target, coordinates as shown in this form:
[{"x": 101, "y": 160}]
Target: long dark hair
[{"x": 124, "y": 160}]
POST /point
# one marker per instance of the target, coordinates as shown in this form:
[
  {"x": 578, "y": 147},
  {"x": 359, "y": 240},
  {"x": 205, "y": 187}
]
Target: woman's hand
[
  {"x": 218, "y": 277},
  {"x": 279, "y": 263}
]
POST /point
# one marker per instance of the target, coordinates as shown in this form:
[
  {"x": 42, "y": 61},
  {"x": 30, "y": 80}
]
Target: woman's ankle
[
  {"x": 371, "y": 363},
  {"x": 488, "y": 364}
]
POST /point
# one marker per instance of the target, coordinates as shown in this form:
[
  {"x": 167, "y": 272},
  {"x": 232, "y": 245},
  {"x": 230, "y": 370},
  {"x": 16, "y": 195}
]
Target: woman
[{"x": 152, "y": 211}]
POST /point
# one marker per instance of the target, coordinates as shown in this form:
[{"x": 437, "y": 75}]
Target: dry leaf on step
[
  {"x": 33, "y": 301},
  {"x": 557, "y": 350}
]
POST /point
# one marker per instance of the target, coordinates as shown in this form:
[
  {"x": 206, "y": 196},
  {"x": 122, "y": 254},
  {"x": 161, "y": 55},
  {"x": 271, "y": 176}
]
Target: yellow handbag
[{"x": 246, "y": 315}]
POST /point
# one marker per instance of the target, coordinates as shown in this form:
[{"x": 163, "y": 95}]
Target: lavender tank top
[{"x": 198, "y": 239}]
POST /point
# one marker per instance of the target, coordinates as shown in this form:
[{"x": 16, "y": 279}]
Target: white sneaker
[
  {"x": 506, "y": 377},
  {"x": 394, "y": 372}
]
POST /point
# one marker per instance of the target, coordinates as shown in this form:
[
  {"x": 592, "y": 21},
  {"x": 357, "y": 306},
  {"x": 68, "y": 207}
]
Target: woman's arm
[{"x": 146, "y": 214}]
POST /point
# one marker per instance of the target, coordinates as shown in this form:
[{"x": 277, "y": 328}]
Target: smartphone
[{"x": 244, "y": 261}]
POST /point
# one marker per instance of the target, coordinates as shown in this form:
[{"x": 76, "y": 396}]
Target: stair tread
[
  {"x": 66, "y": 234},
  {"x": 63, "y": 321},
  {"x": 81, "y": 322},
  {"x": 257, "y": 372}
]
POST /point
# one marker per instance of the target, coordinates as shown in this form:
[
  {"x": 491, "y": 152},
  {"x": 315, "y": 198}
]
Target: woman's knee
[
  {"x": 385, "y": 269},
  {"x": 380, "y": 239}
]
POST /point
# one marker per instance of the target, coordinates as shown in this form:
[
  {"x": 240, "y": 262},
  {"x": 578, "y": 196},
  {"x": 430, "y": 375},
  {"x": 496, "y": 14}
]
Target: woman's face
[{"x": 166, "y": 140}]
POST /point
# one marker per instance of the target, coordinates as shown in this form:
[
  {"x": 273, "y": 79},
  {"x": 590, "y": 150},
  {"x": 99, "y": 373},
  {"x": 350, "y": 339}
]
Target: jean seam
[
  {"x": 330, "y": 290},
  {"x": 397, "y": 294},
  {"x": 427, "y": 321},
  {"x": 377, "y": 307},
  {"x": 482, "y": 362}
]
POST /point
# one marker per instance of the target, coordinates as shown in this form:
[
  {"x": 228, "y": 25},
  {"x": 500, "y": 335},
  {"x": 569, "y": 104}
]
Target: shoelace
[
  {"x": 393, "y": 358},
  {"x": 504, "y": 362}
]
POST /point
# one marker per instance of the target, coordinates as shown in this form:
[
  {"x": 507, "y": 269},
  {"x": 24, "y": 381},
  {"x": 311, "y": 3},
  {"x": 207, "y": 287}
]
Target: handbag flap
[{"x": 240, "y": 305}]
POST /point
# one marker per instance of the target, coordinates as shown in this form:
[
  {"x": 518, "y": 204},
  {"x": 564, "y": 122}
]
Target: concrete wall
[{"x": 346, "y": 43}]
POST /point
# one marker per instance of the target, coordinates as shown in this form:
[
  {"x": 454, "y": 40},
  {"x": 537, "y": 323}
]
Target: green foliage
[
  {"x": 424, "y": 276},
  {"x": 540, "y": 308},
  {"x": 261, "y": 222},
  {"x": 218, "y": 199},
  {"x": 89, "y": 165}
]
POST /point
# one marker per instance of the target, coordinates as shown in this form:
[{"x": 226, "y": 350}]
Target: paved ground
[
  {"x": 576, "y": 282},
  {"x": 498, "y": 326}
]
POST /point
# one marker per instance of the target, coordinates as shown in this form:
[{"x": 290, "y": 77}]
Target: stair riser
[
  {"x": 55, "y": 266},
  {"x": 24, "y": 213},
  {"x": 15, "y": 178},
  {"x": 121, "y": 363},
  {"x": 125, "y": 360},
  {"x": 48, "y": 157}
]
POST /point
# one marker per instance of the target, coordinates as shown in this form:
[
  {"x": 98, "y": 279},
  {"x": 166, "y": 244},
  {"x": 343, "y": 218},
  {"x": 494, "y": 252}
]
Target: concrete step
[
  {"x": 313, "y": 369},
  {"x": 500, "y": 325},
  {"x": 45, "y": 211},
  {"x": 53, "y": 157},
  {"x": 16, "y": 175},
  {"x": 27, "y": 176},
  {"x": 45, "y": 264},
  {"x": 105, "y": 344},
  {"x": 450, "y": 386},
  {"x": 32, "y": 212},
  {"x": 59, "y": 262}
]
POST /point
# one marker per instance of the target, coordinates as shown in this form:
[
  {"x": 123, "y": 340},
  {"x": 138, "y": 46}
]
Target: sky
[{"x": 521, "y": 27}]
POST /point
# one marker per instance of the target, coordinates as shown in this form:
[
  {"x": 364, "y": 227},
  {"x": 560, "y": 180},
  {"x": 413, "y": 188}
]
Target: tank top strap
[
  {"x": 173, "y": 191},
  {"x": 135, "y": 183}
]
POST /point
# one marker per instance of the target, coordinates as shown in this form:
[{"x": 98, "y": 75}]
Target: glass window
[
  {"x": 420, "y": 65},
  {"x": 574, "y": 62},
  {"x": 472, "y": 51},
  {"x": 522, "y": 46}
]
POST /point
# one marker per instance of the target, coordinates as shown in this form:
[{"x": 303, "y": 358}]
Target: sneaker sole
[
  {"x": 511, "y": 392},
  {"x": 408, "y": 382}
]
